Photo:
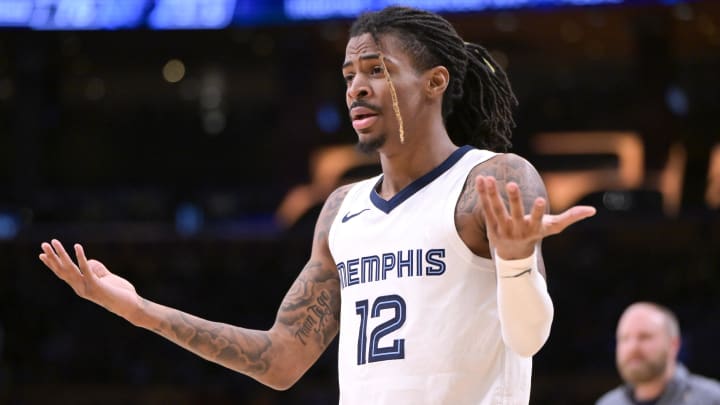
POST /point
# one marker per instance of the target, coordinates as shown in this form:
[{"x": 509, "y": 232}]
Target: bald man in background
[{"x": 648, "y": 341}]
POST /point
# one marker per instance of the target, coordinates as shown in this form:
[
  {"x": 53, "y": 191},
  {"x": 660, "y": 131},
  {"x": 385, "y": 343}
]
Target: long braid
[
  {"x": 394, "y": 96},
  {"x": 477, "y": 105},
  {"x": 488, "y": 95}
]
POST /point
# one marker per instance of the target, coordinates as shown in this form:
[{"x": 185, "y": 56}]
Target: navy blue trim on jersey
[{"x": 388, "y": 205}]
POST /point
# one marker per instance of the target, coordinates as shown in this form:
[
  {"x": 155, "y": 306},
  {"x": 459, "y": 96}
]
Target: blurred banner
[{"x": 216, "y": 14}]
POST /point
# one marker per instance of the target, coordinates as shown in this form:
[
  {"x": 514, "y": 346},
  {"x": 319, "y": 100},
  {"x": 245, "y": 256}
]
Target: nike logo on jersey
[{"x": 349, "y": 216}]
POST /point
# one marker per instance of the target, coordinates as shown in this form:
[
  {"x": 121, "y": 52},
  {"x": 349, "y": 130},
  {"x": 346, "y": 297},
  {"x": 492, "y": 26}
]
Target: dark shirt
[{"x": 683, "y": 389}]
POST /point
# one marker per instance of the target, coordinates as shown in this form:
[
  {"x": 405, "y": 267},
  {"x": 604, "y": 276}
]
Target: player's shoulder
[
  {"x": 330, "y": 210},
  {"x": 506, "y": 166},
  {"x": 500, "y": 162},
  {"x": 335, "y": 199},
  {"x": 341, "y": 191}
]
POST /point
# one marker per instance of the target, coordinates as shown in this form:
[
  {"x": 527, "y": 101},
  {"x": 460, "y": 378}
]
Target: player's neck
[{"x": 407, "y": 162}]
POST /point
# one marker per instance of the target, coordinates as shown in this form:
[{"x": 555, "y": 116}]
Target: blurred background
[{"x": 189, "y": 143}]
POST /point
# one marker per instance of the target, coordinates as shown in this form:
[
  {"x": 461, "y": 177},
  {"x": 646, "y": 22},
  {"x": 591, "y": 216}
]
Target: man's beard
[
  {"x": 647, "y": 370},
  {"x": 372, "y": 145}
]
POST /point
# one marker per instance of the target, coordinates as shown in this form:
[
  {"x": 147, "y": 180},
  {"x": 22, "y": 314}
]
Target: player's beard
[
  {"x": 372, "y": 145},
  {"x": 648, "y": 369}
]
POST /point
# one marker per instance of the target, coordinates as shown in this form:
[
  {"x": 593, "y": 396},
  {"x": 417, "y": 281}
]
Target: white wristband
[
  {"x": 524, "y": 305},
  {"x": 515, "y": 268}
]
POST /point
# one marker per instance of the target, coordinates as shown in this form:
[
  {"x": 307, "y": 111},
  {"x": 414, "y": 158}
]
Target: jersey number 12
[{"x": 375, "y": 353}]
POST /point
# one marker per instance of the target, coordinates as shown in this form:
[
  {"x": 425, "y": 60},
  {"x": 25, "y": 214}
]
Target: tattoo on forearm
[{"x": 222, "y": 343}]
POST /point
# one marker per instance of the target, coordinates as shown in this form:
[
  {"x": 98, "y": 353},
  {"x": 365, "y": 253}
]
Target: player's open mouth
[
  {"x": 362, "y": 121},
  {"x": 362, "y": 117}
]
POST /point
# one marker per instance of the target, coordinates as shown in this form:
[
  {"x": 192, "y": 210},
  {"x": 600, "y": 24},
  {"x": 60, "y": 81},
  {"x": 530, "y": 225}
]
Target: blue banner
[{"x": 218, "y": 14}]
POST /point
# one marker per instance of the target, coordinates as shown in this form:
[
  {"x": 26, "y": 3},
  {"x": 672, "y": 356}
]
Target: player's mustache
[{"x": 362, "y": 103}]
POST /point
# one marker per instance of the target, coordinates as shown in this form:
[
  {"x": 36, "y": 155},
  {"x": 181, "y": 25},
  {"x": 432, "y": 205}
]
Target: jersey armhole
[{"x": 475, "y": 158}]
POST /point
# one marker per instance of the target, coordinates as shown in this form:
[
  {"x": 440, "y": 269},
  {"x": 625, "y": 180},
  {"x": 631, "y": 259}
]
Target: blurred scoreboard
[{"x": 216, "y": 14}]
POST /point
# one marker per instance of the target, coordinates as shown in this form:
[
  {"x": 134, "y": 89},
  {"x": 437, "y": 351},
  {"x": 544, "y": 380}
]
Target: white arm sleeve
[{"x": 524, "y": 305}]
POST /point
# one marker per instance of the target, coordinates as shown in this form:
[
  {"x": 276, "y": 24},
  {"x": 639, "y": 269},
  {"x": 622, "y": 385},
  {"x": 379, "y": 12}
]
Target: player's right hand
[{"x": 91, "y": 280}]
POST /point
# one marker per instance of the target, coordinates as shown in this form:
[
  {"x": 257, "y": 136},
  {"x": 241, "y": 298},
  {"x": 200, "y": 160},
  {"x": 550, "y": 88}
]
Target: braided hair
[{"x": 477, "y": 105}]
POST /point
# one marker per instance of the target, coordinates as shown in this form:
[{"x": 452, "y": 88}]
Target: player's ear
[{"x": 438, "y": 78}]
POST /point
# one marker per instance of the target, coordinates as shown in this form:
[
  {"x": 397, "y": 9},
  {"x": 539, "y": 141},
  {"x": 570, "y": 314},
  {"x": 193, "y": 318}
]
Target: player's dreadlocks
[{"x": 477, "y": 105}]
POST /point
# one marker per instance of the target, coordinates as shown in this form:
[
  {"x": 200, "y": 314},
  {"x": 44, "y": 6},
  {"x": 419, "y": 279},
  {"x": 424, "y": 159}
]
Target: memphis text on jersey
[{"x": 400, "y": 264}]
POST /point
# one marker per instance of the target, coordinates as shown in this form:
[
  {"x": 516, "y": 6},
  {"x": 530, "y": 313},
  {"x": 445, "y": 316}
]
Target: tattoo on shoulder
[
  {"x": 508, "y": 168},
  {"x": 329, "y": 211},
  {"x": 468, "y": 197}
]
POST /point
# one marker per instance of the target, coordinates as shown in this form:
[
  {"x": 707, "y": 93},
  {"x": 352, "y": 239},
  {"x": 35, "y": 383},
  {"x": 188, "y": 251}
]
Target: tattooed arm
[
  {"x": 504, "y": 168},
  {"x": 504, "y": 206},
  {"x": 306, "y": 323},
  {"x": 509, "y": 226}
]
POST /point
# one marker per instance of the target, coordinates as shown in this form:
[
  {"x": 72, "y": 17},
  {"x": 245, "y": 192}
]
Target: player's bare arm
[
  {"x": 504, "y": 168},
  {"x": 306, "y": 323},
  {"x": 503, "y": 205},
  {"x": 502, "y": 213}
]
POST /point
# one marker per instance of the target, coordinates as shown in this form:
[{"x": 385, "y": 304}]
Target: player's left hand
[{"x": 514, "y": 234}]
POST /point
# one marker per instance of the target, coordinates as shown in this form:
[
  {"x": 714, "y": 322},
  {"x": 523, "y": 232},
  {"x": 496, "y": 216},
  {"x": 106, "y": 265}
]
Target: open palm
[
  {"x": 90, "y": 279},
  {"x": 514, "y": 233}
]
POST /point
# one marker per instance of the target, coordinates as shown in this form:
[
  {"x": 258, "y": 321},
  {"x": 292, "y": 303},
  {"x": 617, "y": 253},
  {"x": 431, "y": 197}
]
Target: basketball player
[{"x": 431, "y": 272}]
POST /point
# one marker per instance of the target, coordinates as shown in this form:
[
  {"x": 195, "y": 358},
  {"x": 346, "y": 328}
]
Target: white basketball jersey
[{"x": 419, "y": 320}]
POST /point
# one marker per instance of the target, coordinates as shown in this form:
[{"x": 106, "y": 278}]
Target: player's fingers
[
  {"x": 67, "y": 265},
  {"x": 47, "y": 262},
  {"x": 484, "y": 200},
  {"x": 536, "y": 214},
  {"x": 51, "y": 260},
  {"x": 83, "y": 262},
  {"x": 65, "y": 259},
  {"x": 517, "y": 212},
  {"x": 557, "y": 223},
  {"x": 497, "y": 205}
]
